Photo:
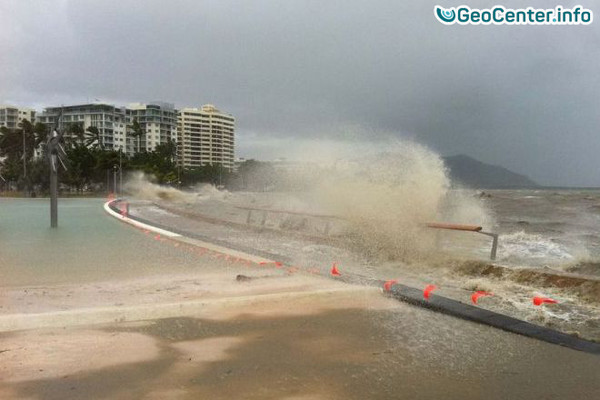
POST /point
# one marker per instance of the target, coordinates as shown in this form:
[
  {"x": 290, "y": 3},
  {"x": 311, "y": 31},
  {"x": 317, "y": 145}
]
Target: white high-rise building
[
  {"x": 207, "y": 137},
  {"x": 158, "y": 122},
  {"x": 111, "y": 121},
  {"x": 11, "y": 116},
  {"x": 204, "y": 136}
]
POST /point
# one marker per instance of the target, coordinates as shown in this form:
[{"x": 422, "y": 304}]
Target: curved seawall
[{"x": 400, "y": 292}]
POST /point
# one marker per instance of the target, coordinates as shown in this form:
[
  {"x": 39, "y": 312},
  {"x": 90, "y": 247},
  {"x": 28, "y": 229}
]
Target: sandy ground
[
  {"x": 164, "y": 288},
  {"x": 327, "y": 345}
]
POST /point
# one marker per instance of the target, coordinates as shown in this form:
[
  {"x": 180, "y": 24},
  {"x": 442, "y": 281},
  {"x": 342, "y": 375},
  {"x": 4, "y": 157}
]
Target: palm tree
[
  {"x": 9, "y": 149},
  {"x": 76, "y": 132},
  {"x": 32, "y": 137},
  {"x": 93, "y": 138},
  {"x": 10, "y": 143},
  {"x": 137, "y": 131},
  {"x": 41, "y": 136},
  {"x": 17, "y": 146},
  {"x": 28, "y": 131}
]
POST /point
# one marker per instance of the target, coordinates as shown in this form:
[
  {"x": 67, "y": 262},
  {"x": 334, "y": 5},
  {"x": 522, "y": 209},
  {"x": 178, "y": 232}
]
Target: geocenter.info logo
[{"x": 499, "y": 15}]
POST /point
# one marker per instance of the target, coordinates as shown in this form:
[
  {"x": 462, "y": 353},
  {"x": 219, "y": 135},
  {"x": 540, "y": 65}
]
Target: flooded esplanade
[{"x": 208, "y": 295}]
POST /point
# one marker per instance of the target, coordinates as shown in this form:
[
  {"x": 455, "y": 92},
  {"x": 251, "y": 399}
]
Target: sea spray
[
  {"x": 388, "y": 196},
  {"x": 387, "y": 199},
  {"x": 383, "y": 199},
  {"x": 141, "y": 186}
]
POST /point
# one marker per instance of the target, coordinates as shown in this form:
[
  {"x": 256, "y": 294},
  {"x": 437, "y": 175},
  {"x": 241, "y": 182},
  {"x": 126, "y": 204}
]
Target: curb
[{"x": 112, "y": 210}]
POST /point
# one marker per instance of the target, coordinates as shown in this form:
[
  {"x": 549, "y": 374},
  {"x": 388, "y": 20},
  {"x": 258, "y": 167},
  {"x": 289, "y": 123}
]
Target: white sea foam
[
  {"x": 521, "y": 246},
  {"x": 141, "y": 186}
]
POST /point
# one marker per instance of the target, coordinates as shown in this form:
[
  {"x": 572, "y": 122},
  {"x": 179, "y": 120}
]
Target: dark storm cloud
[{"x": 523, "y": 97}]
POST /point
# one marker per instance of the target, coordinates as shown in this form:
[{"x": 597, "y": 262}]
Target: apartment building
[
  {"x": 111, "y": 122},
  {"x": 11, "y": 116},
  {"x": 158, "y": 122},
  {"x": 207, "y": 137},
  {"x": 204, "y": 136}
]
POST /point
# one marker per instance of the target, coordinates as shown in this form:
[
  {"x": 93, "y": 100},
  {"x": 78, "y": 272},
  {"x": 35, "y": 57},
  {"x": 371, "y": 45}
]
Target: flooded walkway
[{"x": 273, "y": 335}]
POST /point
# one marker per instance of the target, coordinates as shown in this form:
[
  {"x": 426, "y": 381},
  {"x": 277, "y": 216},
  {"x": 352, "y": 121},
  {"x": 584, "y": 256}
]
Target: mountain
[{"x": 475, "y": 174}]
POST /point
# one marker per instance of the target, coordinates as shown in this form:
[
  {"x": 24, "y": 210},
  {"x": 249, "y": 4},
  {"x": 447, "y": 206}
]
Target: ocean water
[
  {"x": 548, "y": 228},
  {"x": 558, "y": 229}
]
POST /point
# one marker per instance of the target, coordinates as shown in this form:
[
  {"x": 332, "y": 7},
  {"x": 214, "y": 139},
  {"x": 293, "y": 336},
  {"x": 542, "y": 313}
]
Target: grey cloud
[{"x": 522, "y": 97}]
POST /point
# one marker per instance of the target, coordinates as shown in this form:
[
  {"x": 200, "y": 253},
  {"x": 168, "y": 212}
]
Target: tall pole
[
  {"x": 115, "y": 180},
  {"x": 178, "y": 161},
  {"x": 24, "y": 165},
  {"x": 220, "y": 175},
  {"x": 120, "y": 171},
  {"x": 54, "y": 191},
  {"x": 24, "y": 160}
]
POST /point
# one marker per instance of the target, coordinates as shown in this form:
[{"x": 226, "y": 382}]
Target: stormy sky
[{"x": 524, "y": 97}]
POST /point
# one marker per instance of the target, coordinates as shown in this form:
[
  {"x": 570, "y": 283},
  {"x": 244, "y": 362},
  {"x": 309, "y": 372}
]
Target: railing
[
  {"x": 329, "y": 217},
  {"x": 266, "y": 211},
  {"x": 469, "y": 228}
]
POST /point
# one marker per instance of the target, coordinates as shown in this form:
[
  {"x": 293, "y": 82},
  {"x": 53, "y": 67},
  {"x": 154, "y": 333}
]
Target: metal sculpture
[{"x": 56, "y": 155}]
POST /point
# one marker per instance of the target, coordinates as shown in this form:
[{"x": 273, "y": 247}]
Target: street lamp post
[
  {"x": 120, "y": 170},
  {"x": 24, "y": 165},
  {"x": 115, "y": 180}
]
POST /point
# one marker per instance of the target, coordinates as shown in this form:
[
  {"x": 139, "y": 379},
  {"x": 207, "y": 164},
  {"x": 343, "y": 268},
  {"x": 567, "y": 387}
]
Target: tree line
[{"x": 90, "y": 166}]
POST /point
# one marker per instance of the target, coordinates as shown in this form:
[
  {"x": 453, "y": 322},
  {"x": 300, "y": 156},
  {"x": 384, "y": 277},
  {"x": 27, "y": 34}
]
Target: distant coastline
[{"x": 469, "y": 172}]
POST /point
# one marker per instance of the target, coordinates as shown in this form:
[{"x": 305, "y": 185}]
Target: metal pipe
[
  {"x": 494, "y": 247},
  {"x": 494, "y": 237}
]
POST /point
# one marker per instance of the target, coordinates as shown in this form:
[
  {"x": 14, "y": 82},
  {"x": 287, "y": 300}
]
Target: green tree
[
  {"x": 82, "y": 164},
  {"x": 137, "y": 132},
  {"x": 214, "y": 174},
  {"x": 105, "y": 162},
  {"x": 40, "y": 175},
  {"x": 17, "y": 147},
  {"x": 41, "y": 136},
  {"x": 11, "y": 144},
  {"x": 93, "y": 138},
  {"x": 160, "y": 162},
  {"x": 75, "y": 133},
  {"x": 11, "y": 152}
]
